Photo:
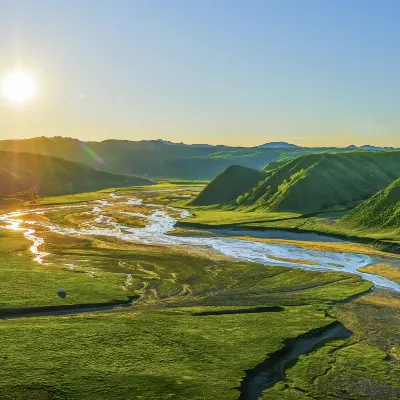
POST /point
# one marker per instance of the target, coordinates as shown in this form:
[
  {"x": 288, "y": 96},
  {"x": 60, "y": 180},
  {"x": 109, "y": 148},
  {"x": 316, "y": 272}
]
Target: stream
[
  {"x": 272, "y": 370},
  {"x": 160, "y": 222}
]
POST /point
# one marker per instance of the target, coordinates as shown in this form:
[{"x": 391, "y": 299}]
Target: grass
[
  {"x": 156, "y": 354},
  {"x": 103, "y": 194},
  {"x": 184, "y": 182},
  {"x": 388, "y": 271},
  {"x": 159, "y": 349},
  {"x": 216, "y": 217},
  {"x": 308, "y": 184},
  {"x": 228, "y": 185},
  {"x": 211, "y": 217},
  {"x": 24, "y": 283},
  {"x": 379, "y": 213},
  {"x": 363, "y": 367},
  {"x": 158, "y": 273},
  {"x": 72, "y": 198}
]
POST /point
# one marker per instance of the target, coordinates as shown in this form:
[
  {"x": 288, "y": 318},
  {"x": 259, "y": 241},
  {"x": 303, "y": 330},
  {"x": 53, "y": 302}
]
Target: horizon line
[{"x": 200, "y": 143}]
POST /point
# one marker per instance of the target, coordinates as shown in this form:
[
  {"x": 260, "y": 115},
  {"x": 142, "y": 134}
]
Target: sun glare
[{"x": 19, "y": 87}]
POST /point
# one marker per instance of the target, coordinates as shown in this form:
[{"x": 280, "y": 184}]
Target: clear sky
[{"x": 323, "y": 72}]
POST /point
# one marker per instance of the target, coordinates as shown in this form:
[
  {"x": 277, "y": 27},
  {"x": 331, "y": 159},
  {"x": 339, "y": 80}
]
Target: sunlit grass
[
  {"x": 388, "y": 271},
  {"x": 158, "y": 348}
]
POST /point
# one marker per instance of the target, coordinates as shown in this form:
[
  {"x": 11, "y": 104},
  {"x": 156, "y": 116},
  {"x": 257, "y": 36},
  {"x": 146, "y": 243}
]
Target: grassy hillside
[
  {"x": 318, "y": 182},
  {"x": 380, "y": 212},
  {"x": 55, "y": 176},
  {"x": 228, "y": 185},
  {"x": 154, "y": 158}
]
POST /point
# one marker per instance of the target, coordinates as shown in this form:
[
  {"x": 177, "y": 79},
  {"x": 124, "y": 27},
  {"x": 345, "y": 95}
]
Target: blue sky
[{"x": 233, "y": 72}]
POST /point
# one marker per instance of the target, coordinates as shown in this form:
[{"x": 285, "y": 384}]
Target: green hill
[
  {"x": 228, "y": 185},
  {"x": 317, "y": 182},
  {"x": 380, "y": 212},
  {"x": 55, "y": 176}
]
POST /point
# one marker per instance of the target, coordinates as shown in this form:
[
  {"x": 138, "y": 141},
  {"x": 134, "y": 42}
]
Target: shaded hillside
[
  {"x": 317, "y": 182},
  {"x": 156, "y": 158},
  {"x": 55, "y": 176},
  {"x": 380, "y": 212},
  {"x": 228, "y": 185}
]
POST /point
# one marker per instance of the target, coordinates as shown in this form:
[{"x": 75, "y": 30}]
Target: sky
[{"x": 310, "y": 72}]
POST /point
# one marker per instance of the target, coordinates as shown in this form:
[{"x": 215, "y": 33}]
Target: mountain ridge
[{"x": 156, "y": 158}]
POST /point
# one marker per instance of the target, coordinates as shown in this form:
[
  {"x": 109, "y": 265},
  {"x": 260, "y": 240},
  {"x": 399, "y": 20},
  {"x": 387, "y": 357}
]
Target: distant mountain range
[
  {"x": 278, "y": 145},
  {"x": 159, "y": 158},
  {"x": 369, "y": 147}
]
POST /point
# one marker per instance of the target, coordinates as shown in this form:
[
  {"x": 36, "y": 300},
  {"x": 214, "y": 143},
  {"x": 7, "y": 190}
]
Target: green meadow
[{"x": 201, "y": 320}]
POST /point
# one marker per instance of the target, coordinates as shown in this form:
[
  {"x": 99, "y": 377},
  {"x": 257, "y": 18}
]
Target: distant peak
[
  {"x": 277, "y": 145},
  {"x": 370, "y": 147},
  {"x": 167, "y": 142}
]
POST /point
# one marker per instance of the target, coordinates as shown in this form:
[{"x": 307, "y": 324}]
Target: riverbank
[{"x": 294, "y": 223}]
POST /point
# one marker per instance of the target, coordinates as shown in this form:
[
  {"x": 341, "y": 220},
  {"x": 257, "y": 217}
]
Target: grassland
[
  {"x": 160, "y": 348},
  {"x": 364, "y": 367},
  {"x": 379, "y": 213},
  {"x": 389, "y": 271},
  {"x": 156, "y": 354},
  {"x": 25, "y": 283}
]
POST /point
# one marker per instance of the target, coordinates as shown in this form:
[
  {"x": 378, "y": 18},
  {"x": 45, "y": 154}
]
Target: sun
[{"x": 19, "y": 87}]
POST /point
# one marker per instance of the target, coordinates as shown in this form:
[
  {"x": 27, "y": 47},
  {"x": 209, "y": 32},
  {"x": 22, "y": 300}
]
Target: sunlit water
[{"x": 160, "y": 222}]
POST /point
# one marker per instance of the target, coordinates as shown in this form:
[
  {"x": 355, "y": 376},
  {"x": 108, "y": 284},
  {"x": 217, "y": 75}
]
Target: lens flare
[{"x": 89, "y": 151}]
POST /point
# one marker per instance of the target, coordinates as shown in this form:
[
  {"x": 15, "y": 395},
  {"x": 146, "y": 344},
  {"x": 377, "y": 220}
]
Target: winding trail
[{"x": 159, "y": 222}]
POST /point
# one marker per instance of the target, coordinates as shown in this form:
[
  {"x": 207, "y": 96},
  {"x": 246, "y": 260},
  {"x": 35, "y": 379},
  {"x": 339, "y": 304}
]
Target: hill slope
[
  {"x": 228, "y": 185},
  {"x": 55, "y": 176},
  {"x": 381, "y": 211},
  {"x": 316, "y": 182}
]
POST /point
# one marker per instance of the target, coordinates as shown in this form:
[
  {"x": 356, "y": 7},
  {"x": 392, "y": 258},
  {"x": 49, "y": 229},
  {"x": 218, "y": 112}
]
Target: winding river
[{"x": 160, "y": 220}]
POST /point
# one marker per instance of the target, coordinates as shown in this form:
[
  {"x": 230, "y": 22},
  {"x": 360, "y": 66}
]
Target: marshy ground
[{"x": 188, "y": 334}]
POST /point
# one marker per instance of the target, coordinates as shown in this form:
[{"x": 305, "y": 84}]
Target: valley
[
  {"x": 199, "y": 200},
  {"x": 193, "y": 292},
  {"x": 351, "y": 196}
]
